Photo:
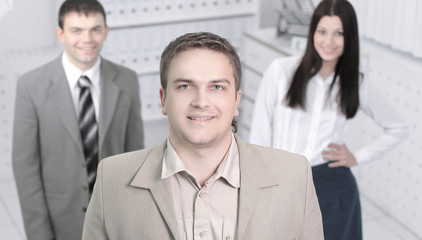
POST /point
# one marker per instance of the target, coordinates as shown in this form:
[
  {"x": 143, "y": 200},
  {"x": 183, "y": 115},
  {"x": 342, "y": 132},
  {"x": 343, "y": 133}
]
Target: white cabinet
[{"x": 260, "y": 48}]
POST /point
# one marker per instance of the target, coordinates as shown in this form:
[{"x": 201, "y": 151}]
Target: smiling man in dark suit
[{"x": 69, "y": 114}]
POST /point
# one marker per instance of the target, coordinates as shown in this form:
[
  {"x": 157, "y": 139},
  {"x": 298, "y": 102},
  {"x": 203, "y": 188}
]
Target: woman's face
[{"x": 328, "y": 38}]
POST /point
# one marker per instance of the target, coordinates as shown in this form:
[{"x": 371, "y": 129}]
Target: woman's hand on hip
[{"x": 341, "y": 155}]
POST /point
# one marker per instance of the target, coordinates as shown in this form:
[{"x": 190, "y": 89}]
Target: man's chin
[{"x": 201, "y": 142}]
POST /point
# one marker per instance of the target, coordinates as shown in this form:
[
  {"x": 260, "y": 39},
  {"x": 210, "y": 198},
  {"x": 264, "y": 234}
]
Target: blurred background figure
[
  {"x": 69, "y": 114},
  {"x": 305, "y": 104}
]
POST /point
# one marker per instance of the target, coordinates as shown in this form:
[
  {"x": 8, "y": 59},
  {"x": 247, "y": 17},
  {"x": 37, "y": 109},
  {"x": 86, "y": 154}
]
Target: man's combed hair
[
  {"x": 204, "y": 40},
  {"x": 85, "y": 7},
  {"x": 201, "y": 40},
  {"x": 347, "y": 68}
]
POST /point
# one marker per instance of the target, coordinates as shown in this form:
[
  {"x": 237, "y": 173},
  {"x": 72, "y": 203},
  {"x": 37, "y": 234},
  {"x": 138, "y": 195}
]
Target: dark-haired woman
[{"x": 305, "y": 104}]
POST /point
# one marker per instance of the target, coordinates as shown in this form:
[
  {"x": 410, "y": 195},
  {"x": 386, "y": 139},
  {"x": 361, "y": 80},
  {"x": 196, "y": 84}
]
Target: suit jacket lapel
[
  {"x": 109, "y": 97},
  {"x": 59, "y": 94},
  {"x": 149, "y": 177},
  {"x": 253, "y": 176}
]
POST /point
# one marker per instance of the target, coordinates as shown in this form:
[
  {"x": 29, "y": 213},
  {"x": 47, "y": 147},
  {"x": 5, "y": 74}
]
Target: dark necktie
[{"x": 89, "y": 129}]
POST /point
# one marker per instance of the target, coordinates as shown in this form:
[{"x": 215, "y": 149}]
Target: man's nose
[
  {"x": 86, "y": 36},
  {"x": 201, "y": 99}
]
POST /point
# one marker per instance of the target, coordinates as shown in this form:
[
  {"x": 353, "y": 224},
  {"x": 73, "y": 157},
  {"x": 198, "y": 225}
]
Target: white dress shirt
[
  {"x": 208, "y": 212},
  {"x": 309, "y": 132},
  {"x": 73, "y": 73}
]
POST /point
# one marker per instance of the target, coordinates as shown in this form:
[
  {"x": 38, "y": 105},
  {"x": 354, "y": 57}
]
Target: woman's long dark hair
[{"x": 347, "y": 68}]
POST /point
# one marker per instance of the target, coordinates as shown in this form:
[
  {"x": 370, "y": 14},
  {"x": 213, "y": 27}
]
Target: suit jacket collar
[
  {"x": 254, "y": 175},
  {"x": 109, "y": 96},
  {"x": 61, "y": 97},
  {"x": 149, "y": 177}
]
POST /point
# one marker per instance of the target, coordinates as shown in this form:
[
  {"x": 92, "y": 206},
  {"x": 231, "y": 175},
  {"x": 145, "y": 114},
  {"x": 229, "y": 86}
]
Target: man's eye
[
  {"x": 218, "y": 87},
  {"x": 184, "y": 86}
]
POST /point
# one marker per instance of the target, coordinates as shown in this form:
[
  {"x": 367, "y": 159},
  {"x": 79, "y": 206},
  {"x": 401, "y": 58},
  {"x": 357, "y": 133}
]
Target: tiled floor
[{"x": 376, "y": 224}]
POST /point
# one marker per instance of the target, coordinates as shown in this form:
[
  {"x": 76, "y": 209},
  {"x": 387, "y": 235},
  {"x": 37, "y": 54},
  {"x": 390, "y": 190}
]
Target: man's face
[
  {"x": 83, "y": 37},
  {"x": 200, "y": 100}
]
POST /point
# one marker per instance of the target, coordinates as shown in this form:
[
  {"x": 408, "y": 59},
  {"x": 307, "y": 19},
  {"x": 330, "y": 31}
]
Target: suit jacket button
[{"x": 84, "y": 209}]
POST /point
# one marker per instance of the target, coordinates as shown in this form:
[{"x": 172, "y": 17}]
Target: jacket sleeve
[
  {"x": 265, "y": 102},
  {"x": 312, "y": 225},
  {"x": 94, "y": 224},
  {"x": 27, "y": 164},
  {"x": 134, "y": 131}
]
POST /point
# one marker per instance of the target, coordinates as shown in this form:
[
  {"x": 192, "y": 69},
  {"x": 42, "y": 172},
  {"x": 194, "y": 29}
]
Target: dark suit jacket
[
  {"x": 277, "y": 199},
  {"x": 48, "y": 159}
]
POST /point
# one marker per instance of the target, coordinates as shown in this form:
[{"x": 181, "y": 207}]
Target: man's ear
[
  {"x": 163, "y": 101},
  {"x": 238, "y": 96},
  {"x": 59, "y": 34},
  {"x": 106, "y": 32}
]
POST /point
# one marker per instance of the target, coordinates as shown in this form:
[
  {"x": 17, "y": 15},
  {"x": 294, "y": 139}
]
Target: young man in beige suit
[
  {"x": 203, "y": 182},
  {"x": 62, "y": 127}
]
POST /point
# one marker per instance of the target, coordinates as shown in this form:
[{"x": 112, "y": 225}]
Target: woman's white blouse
[{"x": 309, "y": 132}]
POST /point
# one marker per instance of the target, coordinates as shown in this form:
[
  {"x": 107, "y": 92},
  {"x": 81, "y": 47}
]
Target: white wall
[
  {"x": 394, "y": 182},
  {"x": 269, "y": 13},
  {"x": 30, "y": 24},
  {"x": 391, "y": 62}
]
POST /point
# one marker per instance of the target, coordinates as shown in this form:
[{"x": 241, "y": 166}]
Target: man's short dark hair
[
  {"x": 81, "y": 7},
  {"x": 201, "y": 40},
  {"x": 204, "y": 40}
]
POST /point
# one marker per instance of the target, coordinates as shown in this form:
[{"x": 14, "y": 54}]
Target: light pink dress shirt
[{"x": 209, "y": 212}]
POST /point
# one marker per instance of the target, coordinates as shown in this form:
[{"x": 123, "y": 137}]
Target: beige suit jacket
[
  {"x": 48, "y": 158},
  {"x": 277, "y": 198}
]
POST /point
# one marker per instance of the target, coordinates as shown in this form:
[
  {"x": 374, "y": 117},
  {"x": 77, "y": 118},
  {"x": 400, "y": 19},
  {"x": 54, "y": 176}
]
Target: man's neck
[
  {"x": 81, "y": 67},
  {"x": 203, "y": 161}
]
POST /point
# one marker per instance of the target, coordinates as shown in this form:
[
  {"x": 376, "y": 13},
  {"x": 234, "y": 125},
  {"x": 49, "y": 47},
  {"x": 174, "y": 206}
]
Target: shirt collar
[
  {"x": 73, "y": 73},
  {"x": 228, "y": 169},
  {"x": 320, "y": 81}
]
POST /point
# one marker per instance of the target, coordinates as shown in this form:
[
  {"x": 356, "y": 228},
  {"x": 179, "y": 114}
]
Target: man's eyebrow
[
  {"x": 77, "y": 27},
  {"x": 182, "y": 80},
  {"x": 223, "y": 80},
  {"x": 215, "y": 81}
]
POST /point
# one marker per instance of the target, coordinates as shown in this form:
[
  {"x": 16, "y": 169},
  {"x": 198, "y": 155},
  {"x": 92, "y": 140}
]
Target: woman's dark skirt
[{"x": 338, "y": 198}]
